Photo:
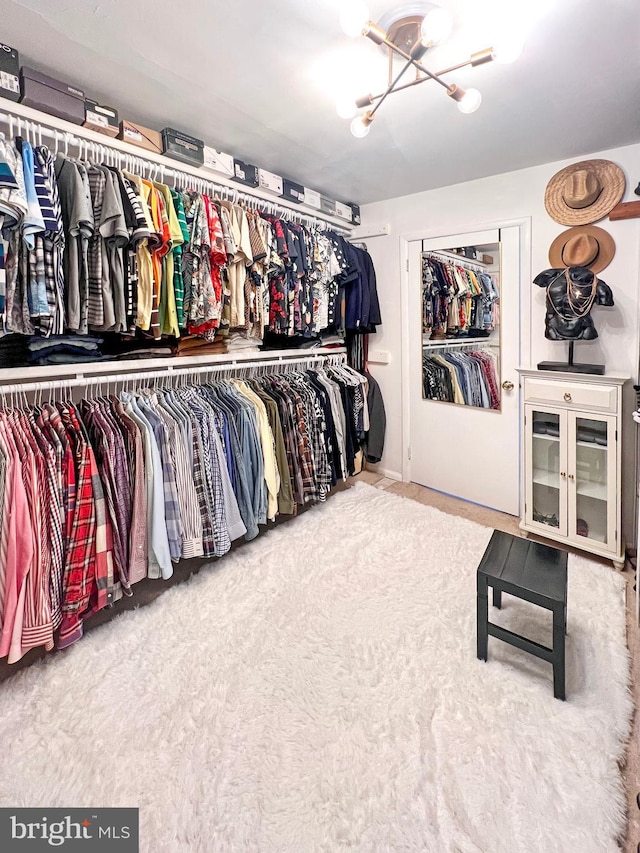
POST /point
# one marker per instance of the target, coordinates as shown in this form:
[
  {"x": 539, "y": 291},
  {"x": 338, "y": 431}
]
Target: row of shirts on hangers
[
  {"x": 465, "y": 378},
  {"x": 457, "y": 301},
  {"x": 99, "y": 494},
  {"x": 89, "y": 248}
]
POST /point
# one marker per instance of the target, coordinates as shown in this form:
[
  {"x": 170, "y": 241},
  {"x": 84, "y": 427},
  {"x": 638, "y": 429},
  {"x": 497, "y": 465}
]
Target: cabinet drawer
[{"x": 601, "y": 398}]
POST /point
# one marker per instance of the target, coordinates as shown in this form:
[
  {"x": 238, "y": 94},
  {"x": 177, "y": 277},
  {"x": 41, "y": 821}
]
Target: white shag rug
[{"x": 318, "y": 690}]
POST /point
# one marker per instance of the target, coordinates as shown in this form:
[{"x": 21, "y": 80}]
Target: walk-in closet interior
[{"x": 317, "y": 321}]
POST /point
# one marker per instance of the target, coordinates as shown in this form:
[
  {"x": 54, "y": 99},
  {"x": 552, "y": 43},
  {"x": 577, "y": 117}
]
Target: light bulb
[
  {"x": 508, "y": 49},
  {"x": 436, "y": 26},
  {"x": 470, "y": 101},
  {"x": 360, "y": 127},
  {"x": 346, "y": 106},
  {"x": 354, "y": 17}
]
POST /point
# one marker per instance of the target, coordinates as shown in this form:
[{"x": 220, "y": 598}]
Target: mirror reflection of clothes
[
  {"x": 465, "y": 378},
  {"x": 457, "y": 301}
]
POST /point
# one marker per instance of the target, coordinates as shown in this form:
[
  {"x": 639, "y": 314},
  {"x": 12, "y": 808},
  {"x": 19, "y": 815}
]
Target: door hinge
[
  {"x": 408, "y": 453},
  {"x": 407, "y": 264},
  {"x": 616, "y": 435}
]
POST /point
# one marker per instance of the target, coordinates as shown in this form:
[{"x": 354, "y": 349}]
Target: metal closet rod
[
  {"x": 169, "y": 373},
  {"x": 130, "y": 162},
  {"x": 457, "y": 260}
]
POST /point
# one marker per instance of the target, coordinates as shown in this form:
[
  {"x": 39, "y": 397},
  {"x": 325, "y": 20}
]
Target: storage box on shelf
[{"x": 572, "y": 460}]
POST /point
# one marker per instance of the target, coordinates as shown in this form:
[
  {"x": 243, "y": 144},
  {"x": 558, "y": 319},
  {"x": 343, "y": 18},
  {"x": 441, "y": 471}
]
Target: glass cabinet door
[
  {"x": 546, "y": 502},
  {"x": 592, "y": 473}
]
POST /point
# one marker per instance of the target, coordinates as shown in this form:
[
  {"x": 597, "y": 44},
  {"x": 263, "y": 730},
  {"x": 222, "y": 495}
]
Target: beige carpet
[{"x": 509, "y": 524}]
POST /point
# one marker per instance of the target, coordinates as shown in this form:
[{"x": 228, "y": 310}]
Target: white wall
[{"x": 485, "y": 203}]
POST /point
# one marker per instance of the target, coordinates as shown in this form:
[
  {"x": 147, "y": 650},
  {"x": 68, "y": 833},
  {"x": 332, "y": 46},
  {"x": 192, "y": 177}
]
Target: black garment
[{"x": 374, "y": 442}]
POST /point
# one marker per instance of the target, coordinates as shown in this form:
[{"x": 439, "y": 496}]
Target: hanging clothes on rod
[
  {"x": 99, "y": 245},
  {"x": 458, "y": 299},
  {"x": 465, "y": 377},
  {"x": 100, "y": 492}
]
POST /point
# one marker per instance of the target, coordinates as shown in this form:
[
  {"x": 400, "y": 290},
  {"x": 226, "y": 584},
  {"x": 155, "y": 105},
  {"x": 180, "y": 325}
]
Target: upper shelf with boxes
[{"x": 66, "y": 101}]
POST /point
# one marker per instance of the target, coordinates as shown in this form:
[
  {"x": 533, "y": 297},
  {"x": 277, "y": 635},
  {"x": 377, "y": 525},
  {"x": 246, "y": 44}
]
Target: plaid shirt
[
  {"x": 138, "y": 546},
  {"x": 171, "y": 506},
  {"x": 79, "y": 583},
  {"x": 52, "y": 450},
  {"x": 37, "y": 627},
  {"x": 107, "y": 443},
  {"x": 212, "y": 480}
]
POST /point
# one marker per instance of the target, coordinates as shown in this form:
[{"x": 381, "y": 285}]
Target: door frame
[{"x": 524, "y": 226}]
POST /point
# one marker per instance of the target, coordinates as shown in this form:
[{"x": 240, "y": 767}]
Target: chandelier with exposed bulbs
[{"x": 408, "y": 33}]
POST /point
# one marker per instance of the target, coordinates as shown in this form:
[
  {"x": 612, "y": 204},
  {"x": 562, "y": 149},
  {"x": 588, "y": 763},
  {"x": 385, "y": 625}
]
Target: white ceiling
[{"x": 243, "y": 75}]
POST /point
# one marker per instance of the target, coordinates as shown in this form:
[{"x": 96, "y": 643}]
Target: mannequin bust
[{"x": 571, "y": 294}]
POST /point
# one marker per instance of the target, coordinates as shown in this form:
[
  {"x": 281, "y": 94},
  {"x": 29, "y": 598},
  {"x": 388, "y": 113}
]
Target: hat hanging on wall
[
  {"x": 583, "y": 246},
  {"x": 584, "y": 192}
]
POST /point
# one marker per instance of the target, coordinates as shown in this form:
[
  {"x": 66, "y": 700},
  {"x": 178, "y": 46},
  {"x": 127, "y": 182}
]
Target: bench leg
[
  {"x": 483, "y": 618},
  {"x": 559, "y": 629},
  {"x": 497, "y": 598}
]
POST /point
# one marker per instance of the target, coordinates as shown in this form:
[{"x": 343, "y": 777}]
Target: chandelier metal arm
[
  {"x": 390, "y": 89},
  {"x": 378, "y": 36},
  {"x": 403, "y": 31},
  {"x": 476, "y": 59}
]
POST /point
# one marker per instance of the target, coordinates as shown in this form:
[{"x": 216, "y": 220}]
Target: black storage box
[
  {"x": 9, "y": 71},
  {"x": 245, "y": 173},
  {"x": 355, "y": 214},
  {"x": 101, "y": 118},
  {"x": 181, "y": 146},
  {"x": 51, "y": 95},
  {"x": 292, "y": 191}
]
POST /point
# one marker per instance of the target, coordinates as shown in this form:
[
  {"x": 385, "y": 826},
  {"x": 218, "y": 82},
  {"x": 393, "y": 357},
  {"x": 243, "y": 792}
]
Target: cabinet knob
[
  {"x": 563, "y": 473},
  {"x": 507, "y": 385},
  {"x": 567, "y": 397},
  {"x": 571, "y": 476}
]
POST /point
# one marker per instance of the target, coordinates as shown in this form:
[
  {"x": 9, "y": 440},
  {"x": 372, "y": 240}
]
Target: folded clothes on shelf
[{"x": 546, "y": 428}]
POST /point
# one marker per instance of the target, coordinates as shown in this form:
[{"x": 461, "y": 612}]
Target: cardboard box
[
  {"x": 218, "y": 162},
  {"x": 312, "y": 198},
  {"x": 355, "y": 214},
  {"x": 270, "y": 182},
  {"x": 182, "y": 147},
  {"x": 327, "y": 205},
  {"x": 100, "y": 118},
  {"x": 50, "y": 95},
  {"x": 293, "y": 192},
  {"x": 245, "y": 173},
  {"x": 344, "y": 211},
  {"x": 9, "y": 72},
  {"x": 144, "y": 137}
]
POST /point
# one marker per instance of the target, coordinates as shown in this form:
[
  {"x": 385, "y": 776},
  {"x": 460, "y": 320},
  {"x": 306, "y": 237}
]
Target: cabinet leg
[{"x": 619, "y": 565}]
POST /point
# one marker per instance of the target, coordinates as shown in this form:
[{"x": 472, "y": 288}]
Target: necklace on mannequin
[{"x": 580, "y": 298}]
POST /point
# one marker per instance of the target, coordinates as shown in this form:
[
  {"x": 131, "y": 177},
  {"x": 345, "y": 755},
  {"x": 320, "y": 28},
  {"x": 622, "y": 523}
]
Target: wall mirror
[{"x": 461, "y": 326}]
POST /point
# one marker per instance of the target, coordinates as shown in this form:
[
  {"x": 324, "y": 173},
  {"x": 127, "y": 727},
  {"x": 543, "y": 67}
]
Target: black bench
[{"x": 532, "y": 572}]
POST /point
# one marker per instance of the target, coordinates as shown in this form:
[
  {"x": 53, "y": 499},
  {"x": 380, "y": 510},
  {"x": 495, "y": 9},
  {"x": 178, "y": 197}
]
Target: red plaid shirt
[{"x": 78, "y": 583}]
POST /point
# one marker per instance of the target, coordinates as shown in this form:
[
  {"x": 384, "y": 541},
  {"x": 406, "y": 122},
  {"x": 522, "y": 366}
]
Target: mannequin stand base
[{"x": 566, "y": 367}]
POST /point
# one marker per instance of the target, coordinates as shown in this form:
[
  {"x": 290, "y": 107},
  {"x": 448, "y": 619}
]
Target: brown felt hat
[
  {"x": 584, "y": 192},
  {"x": 584, "y": 246}
]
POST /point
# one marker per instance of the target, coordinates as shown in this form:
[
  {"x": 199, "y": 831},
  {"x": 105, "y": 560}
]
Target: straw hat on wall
[{"x": 584, "y": 192}]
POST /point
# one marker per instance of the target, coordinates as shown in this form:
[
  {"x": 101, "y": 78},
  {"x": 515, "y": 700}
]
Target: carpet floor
[{"x": 318, "y": 690}]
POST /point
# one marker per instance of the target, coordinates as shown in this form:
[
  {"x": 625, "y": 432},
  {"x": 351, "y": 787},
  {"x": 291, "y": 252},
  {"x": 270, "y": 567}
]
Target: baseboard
[{"x": 385, "y": 472}]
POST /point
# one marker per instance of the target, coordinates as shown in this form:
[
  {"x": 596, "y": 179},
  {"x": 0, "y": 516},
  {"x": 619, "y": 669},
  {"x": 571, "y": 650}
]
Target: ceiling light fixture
[{"x": 408, "y": 33}]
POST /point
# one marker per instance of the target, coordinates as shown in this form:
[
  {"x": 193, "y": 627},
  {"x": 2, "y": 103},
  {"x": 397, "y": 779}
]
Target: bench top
[{"x": 527, "y": 566}]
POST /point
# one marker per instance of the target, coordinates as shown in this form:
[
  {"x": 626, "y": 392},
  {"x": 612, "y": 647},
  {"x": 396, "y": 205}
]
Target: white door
[{"x": 471, "y": 453}]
